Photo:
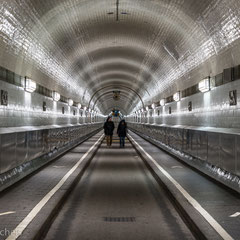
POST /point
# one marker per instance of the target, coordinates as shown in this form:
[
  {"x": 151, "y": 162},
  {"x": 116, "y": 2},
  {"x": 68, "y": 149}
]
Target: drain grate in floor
[{"x": 119, "y": 219}]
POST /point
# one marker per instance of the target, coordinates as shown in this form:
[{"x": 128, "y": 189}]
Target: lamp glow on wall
[
  {"x": 79, "y": 105},
  {"x": 176, "y": 96},
  {"x": 56, "y": 96},
  {"x": 30, "y": 85},
  {"x": 204, "y": 85},
  {"x": 162, "y": 102},
  {"x": 70, "y": 102}
]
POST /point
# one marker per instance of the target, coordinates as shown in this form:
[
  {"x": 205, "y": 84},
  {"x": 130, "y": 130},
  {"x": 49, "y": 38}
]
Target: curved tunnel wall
[
  {"x": 24, "y": 150},
  {"x": 166, "y": 45},
  {"x": 210, "y": 109},
  {"x": 26, "y": 109},
  {"x": 212, "y": 151}
]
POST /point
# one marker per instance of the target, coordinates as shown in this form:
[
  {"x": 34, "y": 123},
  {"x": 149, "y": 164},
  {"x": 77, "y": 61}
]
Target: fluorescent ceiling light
[
  {"x": 176, "y": 96},
  {"x": 56, "y": 96},
  {"x": 204, "y": 85},
  {"x": 30, "y": 85}
]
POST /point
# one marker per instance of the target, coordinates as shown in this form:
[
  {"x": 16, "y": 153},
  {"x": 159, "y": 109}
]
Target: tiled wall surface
[
  {"x": 26, "y": 109},
  {"x": 210, "y": 109}
]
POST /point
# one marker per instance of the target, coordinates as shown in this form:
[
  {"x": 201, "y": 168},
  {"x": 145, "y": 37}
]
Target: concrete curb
[
  {"x": 18, "y": 173},
  {"x": 200, "y": 228},
  {"x": 39, "y": 227},
  {"x": 220, "y": 176}
]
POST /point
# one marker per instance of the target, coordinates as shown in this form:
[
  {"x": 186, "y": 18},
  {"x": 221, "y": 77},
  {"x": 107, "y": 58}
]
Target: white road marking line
[
  {"x": 58, "y": 166},
  {"x": 6, "y": 213},
  {"x": 176, "y": 167},
  {"x": 222, "y": 232},
  {"x": 235, "y": 214},
  {"x": 26, "y": 221}
]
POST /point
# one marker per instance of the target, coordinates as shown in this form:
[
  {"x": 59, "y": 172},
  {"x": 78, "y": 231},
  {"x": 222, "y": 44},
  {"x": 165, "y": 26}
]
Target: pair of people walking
[{"x": 121, "y": 131}]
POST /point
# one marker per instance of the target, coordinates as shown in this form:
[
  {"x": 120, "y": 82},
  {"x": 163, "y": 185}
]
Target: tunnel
[{"x": 119, "y": 119}]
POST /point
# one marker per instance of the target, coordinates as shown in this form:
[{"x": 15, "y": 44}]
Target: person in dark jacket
[
  {"x": 122, "y": 132},
  {"x": 108, "y": 130}
]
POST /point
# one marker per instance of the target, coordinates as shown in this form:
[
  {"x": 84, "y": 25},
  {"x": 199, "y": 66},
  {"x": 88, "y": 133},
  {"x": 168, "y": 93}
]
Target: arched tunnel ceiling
[
  {"x": 151, "y": 46},
  {"x": 125, "y": 100}
]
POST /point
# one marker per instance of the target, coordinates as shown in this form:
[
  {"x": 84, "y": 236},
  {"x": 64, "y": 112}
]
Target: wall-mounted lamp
[
  {"x": 162, "y": 102},
  {"x": 204, "y": 85},
  {"x": 56, "y": 96},
  {"x": 142, "y": 110},
  {"x": 147, "y": 108},
  {"x": 153, "y": 106},
  {"x": 30, "y": 85},
  {"x": 79, "y": 105},
  {"x": 85, "y": 108},
  {"x": 176, "y": 96},
  {"x": 70, "y": 102}
]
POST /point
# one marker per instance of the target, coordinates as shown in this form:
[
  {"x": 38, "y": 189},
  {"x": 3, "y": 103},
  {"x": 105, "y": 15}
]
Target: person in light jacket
[
  {"x": 108, "y": 130},
  {"x": 122, "y": 132}
]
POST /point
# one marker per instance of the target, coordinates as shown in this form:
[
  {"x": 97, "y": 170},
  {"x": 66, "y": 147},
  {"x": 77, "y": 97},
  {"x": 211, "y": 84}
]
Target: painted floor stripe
[
  {"x": 177, "y": 167},
  {"x": 27, "y": 220},
  {"x": 219, "y": 229},
  {"x": 235, "y": 214},
  {"x": 6, "y": 213},
  {"x": 58, "y": 166}
]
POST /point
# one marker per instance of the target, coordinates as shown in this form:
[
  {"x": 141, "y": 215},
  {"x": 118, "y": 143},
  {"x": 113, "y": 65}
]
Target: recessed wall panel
[
  {"x": 202, "y": 145},
  {"x": 238, "y": 156},
  {"x": 8, "y": 152},
  {"x": 227, "y": 152},
  {"x": 21, "y": 147}
]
